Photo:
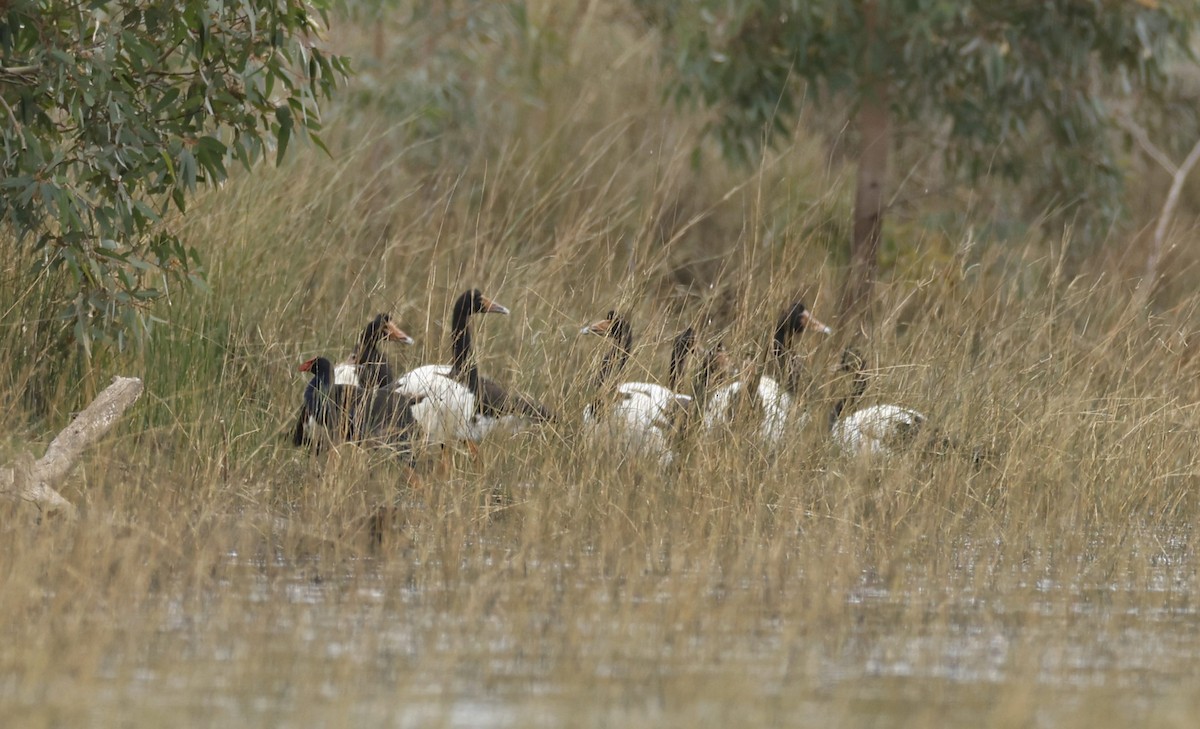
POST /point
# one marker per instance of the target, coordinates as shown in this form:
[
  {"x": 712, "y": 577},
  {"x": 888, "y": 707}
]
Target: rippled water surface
[{"x": 507, "y": 641}]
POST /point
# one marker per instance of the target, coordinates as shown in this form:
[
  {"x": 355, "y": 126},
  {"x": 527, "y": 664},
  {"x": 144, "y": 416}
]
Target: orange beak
[
  {"x": 493, "y": 307},
  {"x": 396, "y": 334},
  {"x": 811, "y": 321},
  {"x": 307, "y": 365},
  {"x": 600, "y": 327}
]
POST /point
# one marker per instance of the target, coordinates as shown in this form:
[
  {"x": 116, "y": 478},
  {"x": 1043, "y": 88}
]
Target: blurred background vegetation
[{"x": 556, "y": 146}]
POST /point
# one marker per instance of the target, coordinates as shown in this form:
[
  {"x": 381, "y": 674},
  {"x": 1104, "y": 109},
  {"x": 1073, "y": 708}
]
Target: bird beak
[
  {"x": 396, "y": 334},
  {"x": 812, "y": 322},
  {"x": 599, "y": 327},
  {"x": 492, "y": 307},
  {"x": 307, "y": 365}
]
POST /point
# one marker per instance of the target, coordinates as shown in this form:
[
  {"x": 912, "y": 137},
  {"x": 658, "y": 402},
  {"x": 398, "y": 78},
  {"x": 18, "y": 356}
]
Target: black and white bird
[
  {"x": 368, "y": 366},
  {"x": 326, "y": 416},
  {"x": 875, "y": 429},
  {"x": 333, "y": 414},
  {"x": 642, "y": 414},
  {"x": 458, "y": 404},
  {"x": 773, "y": 401}
]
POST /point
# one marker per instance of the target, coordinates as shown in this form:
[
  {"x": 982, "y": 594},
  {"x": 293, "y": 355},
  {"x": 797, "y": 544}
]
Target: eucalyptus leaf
[{"x": 120, "y": 110}]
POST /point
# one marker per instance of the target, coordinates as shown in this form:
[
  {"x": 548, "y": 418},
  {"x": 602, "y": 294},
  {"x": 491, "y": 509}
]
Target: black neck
[
  {"x": 778, "y": 345},
  {"x": 613, "y": 362},
  {"x": 780, "y": 341},
  {"x": 319, "y": 388},
  {"x": 322, "y": 373},
  {"x": 463, "y": 366},
  {"x": 704, "y": 378},
  {"x": 679, "y": 354},
  {"x": 788, "y": 374},
  {"x": 368, "y": 347},
  {"x": 856, "y": 391}
]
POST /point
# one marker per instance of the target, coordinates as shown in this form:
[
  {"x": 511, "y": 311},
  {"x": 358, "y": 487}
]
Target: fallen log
[{"x": 36, "y": 481}]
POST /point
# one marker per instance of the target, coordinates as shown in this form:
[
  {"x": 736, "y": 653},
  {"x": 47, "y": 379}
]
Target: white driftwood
[{"x": 35, "y": 481}]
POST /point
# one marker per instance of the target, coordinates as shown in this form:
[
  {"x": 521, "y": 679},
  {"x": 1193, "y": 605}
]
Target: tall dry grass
[{"x": 220, "y": 575}]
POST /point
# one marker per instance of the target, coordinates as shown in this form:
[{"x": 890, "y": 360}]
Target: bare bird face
[
  {"x": 794, "y": 320},
  {"x": 472, "y": 301},
  {"x": 600, "y": 327},
  {"x": 383, "y": 329},
  {"x": 485, "y": 305},
  {"x": 612, "y": 325},
  {"x": 393, "y": 333},
  {"x": 808, "y": 321}
]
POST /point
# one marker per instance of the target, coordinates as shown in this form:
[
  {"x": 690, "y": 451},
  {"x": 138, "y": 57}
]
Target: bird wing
[
  {"x": 496, "y": 401},
  {"x": 445, "y": 410},
  {"x": 345, "y": 374}
]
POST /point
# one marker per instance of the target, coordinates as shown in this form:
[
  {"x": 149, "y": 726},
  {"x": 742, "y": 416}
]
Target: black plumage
[
  {"x": 334, "y": 414},
  {"x": 493, "y": 401},
  {"x": 385, "y": 418},
  {"x": 372, "y": 366},
  {"x": 327, "y": 415}
]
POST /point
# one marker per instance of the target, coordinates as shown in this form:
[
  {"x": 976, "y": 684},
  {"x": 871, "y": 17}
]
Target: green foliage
[
  {"x": 117, "y": 111},
  {"x": 1024, "y": 89},
  {"x": 447, "y": 67}
]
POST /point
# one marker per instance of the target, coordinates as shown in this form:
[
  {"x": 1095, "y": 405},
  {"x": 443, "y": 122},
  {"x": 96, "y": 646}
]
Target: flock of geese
[{"x": 361, "y": 400}]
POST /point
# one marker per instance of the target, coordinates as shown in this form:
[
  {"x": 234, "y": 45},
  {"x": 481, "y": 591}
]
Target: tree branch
[
  {"x": 35, "y": 481},
  {"x": 1164, "y": 222},
  {"x": 1150, "y": 148}
]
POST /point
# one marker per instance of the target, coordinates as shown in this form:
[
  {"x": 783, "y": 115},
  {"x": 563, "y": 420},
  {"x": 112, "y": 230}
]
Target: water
[{"x": 504, "y": 642}]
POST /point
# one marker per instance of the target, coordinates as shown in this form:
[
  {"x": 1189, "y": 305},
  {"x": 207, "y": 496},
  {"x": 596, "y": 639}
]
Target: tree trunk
[{"x": 875, "y": 134}]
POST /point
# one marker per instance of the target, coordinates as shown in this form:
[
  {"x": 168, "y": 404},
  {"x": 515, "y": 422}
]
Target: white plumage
[
  {"x": 641, "y": 416},
  {"x": 449, "y": 412},
  {"x": 446, "y": 411},
  {"x": 877, "y": 429},
  {"x": 345, "y": 373},
  {"x": 457, "y": 403},
  {"x": 776, "y": 404}
]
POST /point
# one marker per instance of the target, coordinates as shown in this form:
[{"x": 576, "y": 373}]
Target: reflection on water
[{"x": 292, "y": 644}]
